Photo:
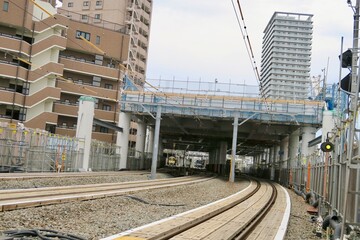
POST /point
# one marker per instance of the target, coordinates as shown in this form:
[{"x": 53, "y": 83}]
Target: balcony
[
  {"x": 71, "y": 110},
  {"x": 9, "y": 69},
  {"x": 71, "y": 132},
  {"x": 76, "y": 65},
  {"x": 12, "y": 43},
  {"x": 66, "y": 109},
  {"x": 50, "y": 42},
  {"x": 8, "y": 97},
  {"x": 107, "y": 116},
  {"x": 41, "y": 120},
  {"x": 59, "y": 21},
  {"x": 88, "y": 90},
  {"x": 50, "y": 68},
  {"x": 42, "y": 95}
]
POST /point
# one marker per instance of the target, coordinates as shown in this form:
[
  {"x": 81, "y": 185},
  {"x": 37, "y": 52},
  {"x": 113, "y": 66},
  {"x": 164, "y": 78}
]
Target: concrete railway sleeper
[
  {"x": 230, "y": 218},
  {"x": 24, "y": 198}
]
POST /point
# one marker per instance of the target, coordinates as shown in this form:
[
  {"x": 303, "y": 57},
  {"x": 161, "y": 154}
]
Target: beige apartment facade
[
  {"x": 48, "y": 61},
  {"x": 134, "y": 14}
]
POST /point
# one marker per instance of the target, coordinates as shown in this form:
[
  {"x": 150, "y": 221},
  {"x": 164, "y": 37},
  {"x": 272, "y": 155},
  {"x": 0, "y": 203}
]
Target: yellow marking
[
  {"x": 92, "y": 45},
  {"x": 51, "y": 15}
]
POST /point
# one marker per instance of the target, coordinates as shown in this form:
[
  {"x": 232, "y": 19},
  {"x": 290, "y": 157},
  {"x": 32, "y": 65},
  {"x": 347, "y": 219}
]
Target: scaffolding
[{"x": 35, "y": 150}]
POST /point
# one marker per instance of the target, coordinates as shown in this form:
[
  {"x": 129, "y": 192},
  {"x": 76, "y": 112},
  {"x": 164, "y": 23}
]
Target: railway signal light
[{"x": 327, "y": 146}]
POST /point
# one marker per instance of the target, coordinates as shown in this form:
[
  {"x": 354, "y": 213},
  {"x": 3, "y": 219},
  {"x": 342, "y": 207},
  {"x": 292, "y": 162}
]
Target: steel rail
[
  {"x": 23, "y": 198},
  {"x": 225, "y": 219},
  {"x": 252, "y": 223}
]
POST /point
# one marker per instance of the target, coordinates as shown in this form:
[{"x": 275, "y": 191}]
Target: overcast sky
[{"x": 201, "y": 39}]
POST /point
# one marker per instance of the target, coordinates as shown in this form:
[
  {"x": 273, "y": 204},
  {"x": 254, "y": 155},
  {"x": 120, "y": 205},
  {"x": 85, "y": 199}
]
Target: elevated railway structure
[{"x": 220, "y": 124}]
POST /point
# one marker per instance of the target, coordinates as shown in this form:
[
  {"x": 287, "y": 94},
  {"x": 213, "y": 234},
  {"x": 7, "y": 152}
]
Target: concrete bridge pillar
[
  {"x": 149, "y": 144},
  {"x": 122, "y": 139},
  {"x": 307, "y": 134},
  {"x": 271, "y": 162},
  {"x": 156, "y": 143},
  {"x": 276, "y": 164},
  {"x": 222, "y": 152},
  {"x": 140, "y": 141},
  {"x": 284, "y": 147},
  {"x": 257, "y": 161},
  {"x": 84, "y": 127},
  {"x": 293, "y": 148},
  {"x": 328, "y": 124}
]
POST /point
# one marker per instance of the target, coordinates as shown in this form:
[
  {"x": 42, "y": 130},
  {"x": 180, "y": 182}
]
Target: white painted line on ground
[
  {"x": 285, "y": 221},
  {"x": 169, "y": 218}
]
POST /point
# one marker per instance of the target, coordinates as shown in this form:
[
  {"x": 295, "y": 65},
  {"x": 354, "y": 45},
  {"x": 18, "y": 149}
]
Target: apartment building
[
  {"x": 135, "y": 14},
  {"x": 30, "y": 42},
  {"x": 47, "y": 61},
  {"x": 286, "y": 56}
]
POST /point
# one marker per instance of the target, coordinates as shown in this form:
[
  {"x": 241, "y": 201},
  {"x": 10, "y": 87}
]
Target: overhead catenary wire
[
  {"x": 247, "y": 42},
  {"x": 116, "y": 61}
]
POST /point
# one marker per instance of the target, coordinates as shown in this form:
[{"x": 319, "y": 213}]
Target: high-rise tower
[{"x": 286, "y": 56}]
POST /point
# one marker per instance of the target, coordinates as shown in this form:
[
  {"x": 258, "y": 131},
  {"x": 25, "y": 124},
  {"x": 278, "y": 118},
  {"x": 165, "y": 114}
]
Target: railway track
[
  {"x": 239, "y": 216},
  {"x": 24, "y": 176},
  {"x": 24, "y": 198}
]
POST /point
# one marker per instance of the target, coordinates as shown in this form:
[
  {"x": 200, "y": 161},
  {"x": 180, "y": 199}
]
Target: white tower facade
[{"x": 286, "y": 56}]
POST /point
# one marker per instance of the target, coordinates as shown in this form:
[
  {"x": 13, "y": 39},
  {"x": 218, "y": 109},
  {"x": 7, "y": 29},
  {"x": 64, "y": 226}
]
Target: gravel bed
[
  {"x": 104, "y": 217},
  {"x": 96, "y": 219},
  {"x": 69, "y": 181},
  {"x": 300, "y": 224}
]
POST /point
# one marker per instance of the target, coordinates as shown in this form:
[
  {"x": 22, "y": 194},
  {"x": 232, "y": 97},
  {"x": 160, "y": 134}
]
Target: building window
[
  {"x": 86, "y": 3},
  {"x": 6, "y": 6},
  {"x": 98, "y": 3},
  {"x": 97, "y": 18},
  {"x": 83, "y": 34},
  {"x": 84, "y": 17},
  {"x": 133, "y": 131},
  {"x": 104, "y": 130},
  {"x": 70, "y": 4},
  {"x": 106, "y": 107},
  {"x": 132, "y": 144},
  {"x": 96, "y": 103},
  {"x": 108, "y": 86},
  {"x": 97, "y": 40},
  {"x": 96, "y": 81}
]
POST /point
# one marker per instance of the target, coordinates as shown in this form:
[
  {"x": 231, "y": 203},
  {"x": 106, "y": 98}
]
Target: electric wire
[{"x": 249, "y": 49}]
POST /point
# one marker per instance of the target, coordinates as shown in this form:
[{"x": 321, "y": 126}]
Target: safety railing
[{"x": 224, "y": 106}]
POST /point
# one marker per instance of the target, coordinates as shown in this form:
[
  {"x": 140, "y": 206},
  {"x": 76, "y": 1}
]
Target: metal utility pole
[{"x": 354, "y": 97}]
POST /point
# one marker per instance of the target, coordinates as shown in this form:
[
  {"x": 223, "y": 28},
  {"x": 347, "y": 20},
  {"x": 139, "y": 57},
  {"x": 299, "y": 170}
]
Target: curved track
[
  {"x": 235, "y": 217},
  {"x": 24, "y": 198}
]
